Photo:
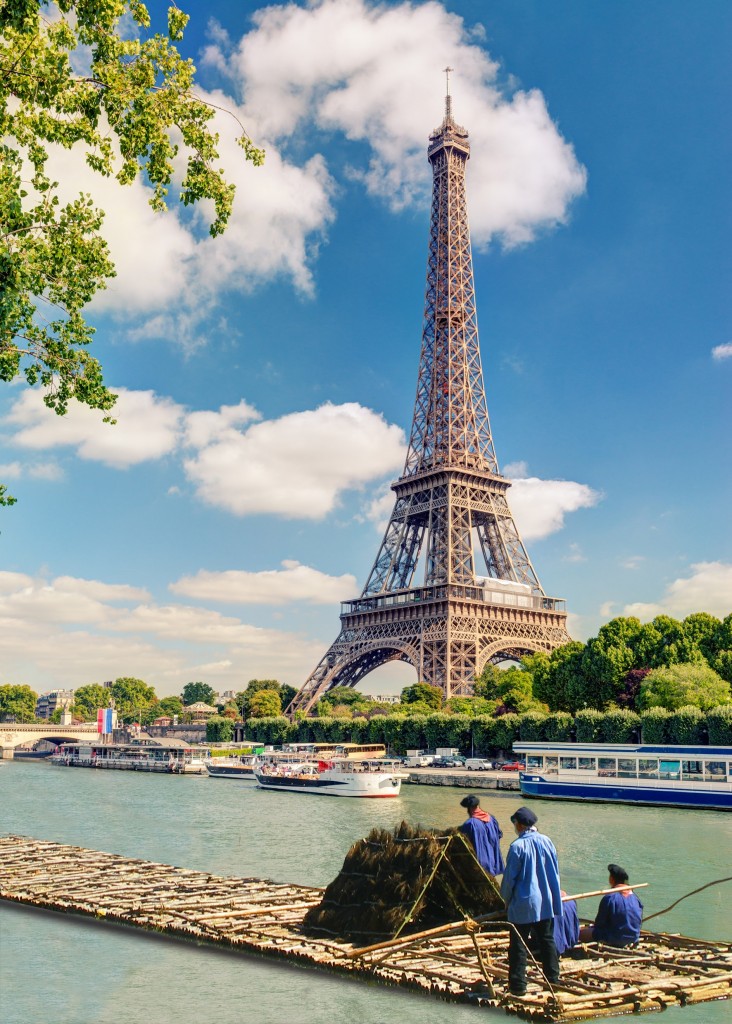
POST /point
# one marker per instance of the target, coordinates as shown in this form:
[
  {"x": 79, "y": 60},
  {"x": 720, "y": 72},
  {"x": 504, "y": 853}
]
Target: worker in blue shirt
[
  {"x": 566, "y": 926},
  {"x": 619, "y": 916},
  {"x": 483, "y": 832},
  {"x": 533, "y": 898}
]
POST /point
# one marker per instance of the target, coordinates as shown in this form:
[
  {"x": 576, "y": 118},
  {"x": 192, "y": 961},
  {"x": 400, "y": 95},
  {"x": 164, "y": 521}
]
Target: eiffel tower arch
[{"x": 452, "y": 586}]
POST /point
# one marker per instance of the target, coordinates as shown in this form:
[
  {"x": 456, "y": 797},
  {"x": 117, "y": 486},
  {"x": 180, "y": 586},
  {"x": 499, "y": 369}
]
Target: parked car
[
  {"x": 447, "y": 762},
  {"x": 478, "y": 764},
  {"x": 513, "y": 766}
]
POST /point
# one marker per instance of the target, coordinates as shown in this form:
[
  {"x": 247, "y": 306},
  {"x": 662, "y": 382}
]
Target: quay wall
[{"x": 465, "y": 779}]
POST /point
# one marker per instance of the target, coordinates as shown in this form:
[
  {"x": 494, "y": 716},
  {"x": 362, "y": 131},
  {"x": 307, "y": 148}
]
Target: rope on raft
[{"x": 693, "y": 892}]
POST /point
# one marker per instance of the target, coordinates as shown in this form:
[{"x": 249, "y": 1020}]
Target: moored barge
[
  {"x": 670, "y": 776},
  {"x": 173, "y": 759}
]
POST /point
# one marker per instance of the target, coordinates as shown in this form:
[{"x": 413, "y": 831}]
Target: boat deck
[{"x": 457, "y": 963}]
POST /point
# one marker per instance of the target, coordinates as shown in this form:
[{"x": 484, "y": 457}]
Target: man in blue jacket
[
  {"x": 533, "y": 898},
  {"x": 619, "y": 916},
  {"x": 483, "y": 832}
]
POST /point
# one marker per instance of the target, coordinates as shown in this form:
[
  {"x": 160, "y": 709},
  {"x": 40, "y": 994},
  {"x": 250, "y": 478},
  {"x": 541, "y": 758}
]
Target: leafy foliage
[
  {"x": 619, "y": 726},
  {"x": 123, "y": 112},
  {"x": 688, "y": 726},
  {"x": 134, "y": 700},
  {"x": 264, "y": 704},
  {"x": 423, "y": 693},
  {"x": 587, "y": 725},
  {"x": 19, "y": 702},
  {"x": 719, "y": 724},
  {"x": 655, "y": 725},
  {"x": 219, "y": 729},
  {"x": 88, "y": 699},
  {"x": 677, "y": 686},
  {"x": 195, "y": 692}
]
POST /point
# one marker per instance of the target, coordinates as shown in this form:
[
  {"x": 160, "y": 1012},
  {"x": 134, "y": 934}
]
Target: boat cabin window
[
  {"x": 550, "y": 765},
  {"x": 627, "y": 767},
  {"x": 534, "y": 762},
  {"x": 716, "y": 771},
  {"x": 669, "y": 770},
  {"x": 607, "y": 766},
  {"x": 568, "y": 763},
  {"x": 648, "y": 767},
  {"x": 691, "y": 770},
  {"x": 587, "y": 764}
]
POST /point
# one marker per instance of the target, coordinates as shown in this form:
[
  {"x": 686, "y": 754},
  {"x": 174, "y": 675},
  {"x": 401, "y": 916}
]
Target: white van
[
  {"x": 478, "y": 764},
  {"x": 419, "y": 761}
]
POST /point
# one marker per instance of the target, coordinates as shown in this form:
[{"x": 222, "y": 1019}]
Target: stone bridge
[{"x": 12, "y": 735}]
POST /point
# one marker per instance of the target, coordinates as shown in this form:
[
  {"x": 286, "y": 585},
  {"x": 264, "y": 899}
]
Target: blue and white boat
[{"x": 670, "y": 776}]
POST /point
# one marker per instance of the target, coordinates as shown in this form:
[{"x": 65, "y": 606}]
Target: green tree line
[{"x": 136, "y": 701}]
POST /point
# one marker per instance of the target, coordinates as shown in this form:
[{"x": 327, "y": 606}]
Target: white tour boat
[
  {"x": 241, "y": 767},
  {"x": 337, "y": 777}
]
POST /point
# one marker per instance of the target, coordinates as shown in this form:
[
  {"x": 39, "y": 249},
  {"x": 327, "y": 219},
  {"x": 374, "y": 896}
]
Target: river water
[{"x": 71, "y": 971}]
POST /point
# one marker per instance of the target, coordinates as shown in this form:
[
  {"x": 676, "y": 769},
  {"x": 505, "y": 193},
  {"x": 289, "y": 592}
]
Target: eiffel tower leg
[{"x": 354, "y": 654}]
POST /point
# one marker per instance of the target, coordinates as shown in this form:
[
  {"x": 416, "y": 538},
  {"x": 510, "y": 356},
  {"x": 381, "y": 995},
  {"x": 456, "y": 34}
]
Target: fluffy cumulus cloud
[
  {"x": 540, "y": 506},
  {"x": 147, "y": 427},
  {"x": 707, "y": 589},
  {"x": 720, "y": 352},
  {"x": 298, "y": 465},
  {"x": 344, "y": 70},
  {"x": 69, "y": 632},
  {"x": 294, "y": 582},
  {"x": 379, "y": 86}
]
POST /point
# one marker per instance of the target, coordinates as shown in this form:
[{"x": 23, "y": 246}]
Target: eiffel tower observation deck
[{"x": 452, "y": 586}]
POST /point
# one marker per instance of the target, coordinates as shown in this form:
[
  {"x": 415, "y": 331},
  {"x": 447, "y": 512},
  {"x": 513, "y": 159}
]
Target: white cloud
[
  {"x": 70, "y": 632},
  {"x": 148, "y": 427},
  {"x": 34, "y": 470},
  {"x": 539, "y": 506},
  {"x": 274, "y": 586},
  {"x": 707, "y": 589},
  {"x": 607, "y": 609},
  {"x": 12, "y": 581},
  {"x": 296, "y": 466},
  {"x": 379, "y": 85},
  {"x": 575, "y": 554},
  {"x": 345, "y": 69},
  {"x": 720, "y": 352},
  {"x": 633, "y": 562},
  {"x": 516, "y": 470}
]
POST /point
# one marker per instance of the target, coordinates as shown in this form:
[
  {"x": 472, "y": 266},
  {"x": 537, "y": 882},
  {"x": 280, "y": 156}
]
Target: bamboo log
[{"x": 602, "y": 892}]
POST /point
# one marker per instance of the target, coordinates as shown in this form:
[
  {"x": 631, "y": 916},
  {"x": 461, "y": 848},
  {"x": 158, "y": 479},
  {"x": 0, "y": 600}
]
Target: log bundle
[{"x": 463, "y": 961}]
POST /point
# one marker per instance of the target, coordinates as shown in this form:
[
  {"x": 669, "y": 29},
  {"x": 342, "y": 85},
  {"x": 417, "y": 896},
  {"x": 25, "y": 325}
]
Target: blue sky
[{"x": 267, "y": 378}]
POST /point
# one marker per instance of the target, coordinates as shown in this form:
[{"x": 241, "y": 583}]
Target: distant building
[
  {"x": 386, "y": 698},
  {"x": 200, "y": 711},
  {"x": 49, "y": 702},
  {"x": 226, "y": 697}
]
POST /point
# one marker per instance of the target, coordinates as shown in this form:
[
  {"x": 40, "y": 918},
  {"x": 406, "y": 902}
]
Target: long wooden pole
[{"x": 601, "y": 892}]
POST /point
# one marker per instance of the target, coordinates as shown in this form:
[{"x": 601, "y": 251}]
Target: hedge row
[{"x": 485, "y": 735}]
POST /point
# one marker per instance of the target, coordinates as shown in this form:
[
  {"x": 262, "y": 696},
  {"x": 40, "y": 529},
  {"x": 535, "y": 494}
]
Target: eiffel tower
[{"x": 423, "y": 602}]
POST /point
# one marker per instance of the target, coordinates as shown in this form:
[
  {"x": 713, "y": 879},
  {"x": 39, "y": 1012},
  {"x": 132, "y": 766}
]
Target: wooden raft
[{"x": 461, "y": 963}]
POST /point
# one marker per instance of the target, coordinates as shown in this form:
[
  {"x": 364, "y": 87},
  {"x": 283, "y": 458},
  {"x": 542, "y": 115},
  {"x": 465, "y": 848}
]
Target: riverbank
[{"x": 463, "y": 779}]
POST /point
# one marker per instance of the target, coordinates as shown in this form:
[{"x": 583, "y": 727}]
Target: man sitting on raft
[{"x": 619, "y": 915}]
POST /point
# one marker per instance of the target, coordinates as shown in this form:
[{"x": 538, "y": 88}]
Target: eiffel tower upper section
[
  {"x": 451, "y": 431},
  {"x": 452, "y": 586}
]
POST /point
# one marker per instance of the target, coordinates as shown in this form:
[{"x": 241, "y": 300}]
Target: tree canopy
[
  {"x": 18, "y": 702},
  {"x": 194, "y": 692},
  {"x": 73, "y": 75},
  {"x": 683, "y": 685}
]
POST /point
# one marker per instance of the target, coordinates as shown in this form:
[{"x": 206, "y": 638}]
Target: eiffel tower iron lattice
[{"x": 451, "y": 506}]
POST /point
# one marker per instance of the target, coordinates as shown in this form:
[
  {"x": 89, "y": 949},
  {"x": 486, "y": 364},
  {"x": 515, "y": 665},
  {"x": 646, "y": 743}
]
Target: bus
[{"x": 360, "y": 751}]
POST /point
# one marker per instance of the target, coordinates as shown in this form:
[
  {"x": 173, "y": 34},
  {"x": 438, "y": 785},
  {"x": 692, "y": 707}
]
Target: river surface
[{"x": 71, "y": 971}]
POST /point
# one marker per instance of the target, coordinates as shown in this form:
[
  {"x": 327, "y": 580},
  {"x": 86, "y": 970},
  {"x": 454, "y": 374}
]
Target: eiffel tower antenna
[
  {"x": 452, "y": 586},
  {"x": 448, "y": 101}
]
